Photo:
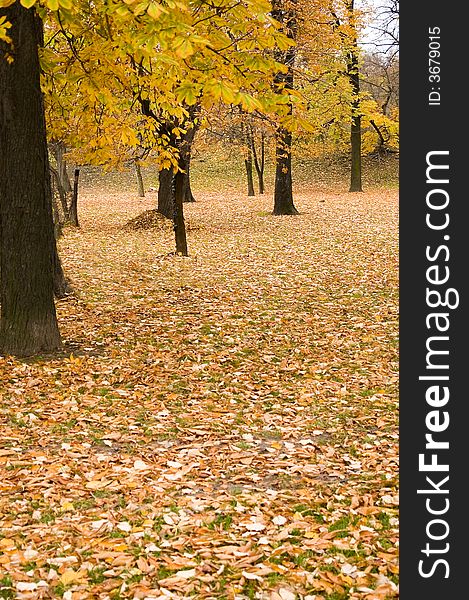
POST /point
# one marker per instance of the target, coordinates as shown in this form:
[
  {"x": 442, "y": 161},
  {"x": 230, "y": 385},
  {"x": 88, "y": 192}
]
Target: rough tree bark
[
  {"x": 165, "y": 193},
  {"x": 28, "y": 323},
  {"x": 283, "y": 193},
  {"x": 166, "y": 176}
]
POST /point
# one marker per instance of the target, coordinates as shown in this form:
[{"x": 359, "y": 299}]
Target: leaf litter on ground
[{"x": 219, "y": 426}]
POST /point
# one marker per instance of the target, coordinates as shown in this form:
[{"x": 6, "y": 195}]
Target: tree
[
  {"x": 356, "y": 128},
  {"x": 284, "y": 11},
  {"x": 28, "y": 322}
]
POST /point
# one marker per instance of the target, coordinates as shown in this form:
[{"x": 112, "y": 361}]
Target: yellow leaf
[
  {"x": 310, "y": 534},
  {"x": 185, "y": 49},
  {"x": 70, "y": 576},
  {"x": 154, "y": 10}
]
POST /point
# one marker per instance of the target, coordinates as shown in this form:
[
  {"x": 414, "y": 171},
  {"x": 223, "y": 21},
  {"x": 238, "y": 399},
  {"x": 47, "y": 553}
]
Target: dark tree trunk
[
  {"x": 248, "y": 165},
  {"x": 74, "y": 201},
  {"x": 188, "y": 195},
  {"x": 165, "y": 193},
  {"x": 138, "y": 173},
  {"x": 356, "y": 128},
  {"x": 185, "y": 150},
  {"x": 259, "y": 162},
  {"x": 283, "y": 194},
  {"x": 356, "y": 142},
  {"x": 178, "y": 219},
  {"x": 28, "y": 323}
]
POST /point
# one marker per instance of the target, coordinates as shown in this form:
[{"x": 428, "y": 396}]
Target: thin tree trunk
[
  {"x": 138, "y": 172},
  {"x": 259, "y": 164},
  {"x": 178, "y": 219},
  {"x": 28, "y": 323},
  {"x": 248, "y": 165},
  {"x": 356, "y": 128},
  {"x": 74, "y": 201}
]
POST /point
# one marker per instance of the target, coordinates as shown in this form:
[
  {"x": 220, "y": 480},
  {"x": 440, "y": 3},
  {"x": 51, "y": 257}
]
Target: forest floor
[{"x": 222, "y": 426}]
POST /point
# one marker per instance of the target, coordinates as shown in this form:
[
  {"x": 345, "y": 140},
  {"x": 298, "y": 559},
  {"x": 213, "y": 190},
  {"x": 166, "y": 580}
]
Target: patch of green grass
[
  {"x": 274, "y": 578},
  {"x": 224, "y": 520},
  {"x": 304, "y": 510},
  {"x": 96, "y": 576},
  {"x": 47, "y": 517},
  {"x": 60, "y": 590},
  {"x": 342, "y": 525},
  {"x": 384, "y": 518},
  {"x": 302, "y": 560},
  {"x": 250, "y": 589},
  {"x": 118, "y": 534},
  {"x": 338, "y": 596},
  {"x": 6, "y": 588}
]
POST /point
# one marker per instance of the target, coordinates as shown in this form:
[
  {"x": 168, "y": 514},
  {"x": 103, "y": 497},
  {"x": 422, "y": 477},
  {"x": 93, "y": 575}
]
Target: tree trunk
[
  {"x": 178, "y": 219},
  {"x": 138, "y": 172},
  {"x": 62, "y": 195},
  {"x": 165, "y": 193},
  {"x": 188, "y": 195},
  {"x": 248, "y": 165},
  {"x": 185, "y": 150},
  {"x": 259, "y": 163},
  {"x": 356, "y": 146},
  {"x": 356, "y": 128},
  {"x": 28, "y": 323},
  {"x": 58, "y": 150},
  {"x": 62, "y": 285},
  {"x": 283, "y": 194},
  {"x": 74, "y": 201}
]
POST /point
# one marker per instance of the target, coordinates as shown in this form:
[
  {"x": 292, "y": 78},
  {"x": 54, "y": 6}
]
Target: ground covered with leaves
[{"x": 218, "y": 426}]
